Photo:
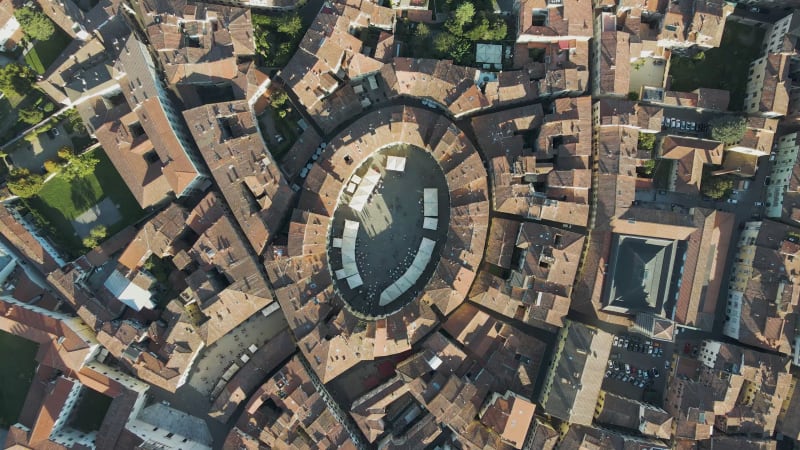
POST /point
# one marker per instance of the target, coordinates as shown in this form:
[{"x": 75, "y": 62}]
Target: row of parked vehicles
[
  {"x": 629, "y": 374},
  {"x": 652, "y": 348},
  {"x": 683, "y": 125}
]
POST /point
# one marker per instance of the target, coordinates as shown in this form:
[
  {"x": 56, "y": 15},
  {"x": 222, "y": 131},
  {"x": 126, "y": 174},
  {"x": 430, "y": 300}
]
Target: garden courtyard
[
  {"x": 725, "y": 67},
  {"x": 45, "y": 52},
  {"x": 16, "y": 378},
  {"x": 68, "y": 210}
]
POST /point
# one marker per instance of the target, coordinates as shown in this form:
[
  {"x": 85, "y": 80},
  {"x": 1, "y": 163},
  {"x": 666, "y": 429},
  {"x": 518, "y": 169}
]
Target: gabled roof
[{"x": 690, "y": 155}]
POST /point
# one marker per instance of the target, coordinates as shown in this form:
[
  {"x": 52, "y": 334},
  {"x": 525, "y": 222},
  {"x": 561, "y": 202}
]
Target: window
[
  {"x": 136, "y": 129},
  {"x": 540, "y": 17}
]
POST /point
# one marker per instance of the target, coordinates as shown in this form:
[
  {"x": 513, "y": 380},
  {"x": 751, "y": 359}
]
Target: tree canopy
[
  {"x": 716, "y": 187},
  {"x": 291, "y": 26},
  {"x": 96, "y": 234},
  {"x": 466, "y": 25},
  {"x": 31, "y": 115},
  {"x": 277, "y": 37},
  {"x": 649, "y": 167},
  {"x": 452, "y": 46},
  {"x": 72, "y": 121},
  {"x": 16, "y": 79},
  {"x": 76, "y": 166},
  {"x": 23, "y": 183},
  {"x": 462, "y": 16},
  {"x": 727, "y": 129},
  {"x": 484, "y": 30},
  {"x": 34, "y": 24},
  {"x": 647, "y": 141}
]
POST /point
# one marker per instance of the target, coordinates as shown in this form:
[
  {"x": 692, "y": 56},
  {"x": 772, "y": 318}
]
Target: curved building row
[{"x": 333, "y": 337}]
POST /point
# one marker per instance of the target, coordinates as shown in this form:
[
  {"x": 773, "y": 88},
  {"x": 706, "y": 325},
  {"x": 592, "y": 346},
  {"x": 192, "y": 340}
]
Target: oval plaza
[
  {"x": 396, "y": 211},
  {"x": 385, "y": 233}
]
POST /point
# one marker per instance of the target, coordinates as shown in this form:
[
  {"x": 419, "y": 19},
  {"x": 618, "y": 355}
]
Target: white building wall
[
  {"x": 128, "y": 381},
  {"x": 773, "y": 39},
  {"x": 733, "y": 310},
  {"x": 6, "y": 270},
  {"x": 796, "y": 351},
  {"x": 69, "y": 437},
  {"x": 785, "y": 156},
  {"x": 163, "y": 438},
  {"x": 8, "y": 30},
  {"x": 755, "y": 83},
  {"x": 708, "y": 352},
  {"x": 69, "y": 404}
]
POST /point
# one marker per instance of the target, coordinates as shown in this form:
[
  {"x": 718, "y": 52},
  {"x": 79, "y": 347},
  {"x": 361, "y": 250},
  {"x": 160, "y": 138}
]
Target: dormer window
[{"x": 540, "y": 17}]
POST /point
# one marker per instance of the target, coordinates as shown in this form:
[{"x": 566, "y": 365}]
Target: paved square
[
  {"x": 391, "y": 228},
  {"x": 104, "y": 212}
]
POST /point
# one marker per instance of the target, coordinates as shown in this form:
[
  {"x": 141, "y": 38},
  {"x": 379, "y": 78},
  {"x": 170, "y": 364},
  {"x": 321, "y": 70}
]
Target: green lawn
[
  {"x": 725, "y": 67},
  {"x": 44, "y": 53},
  {"x": 60, "y": 201},
  {"x": 16, "y": 377},
  {"x": 91, "y": 411}
]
